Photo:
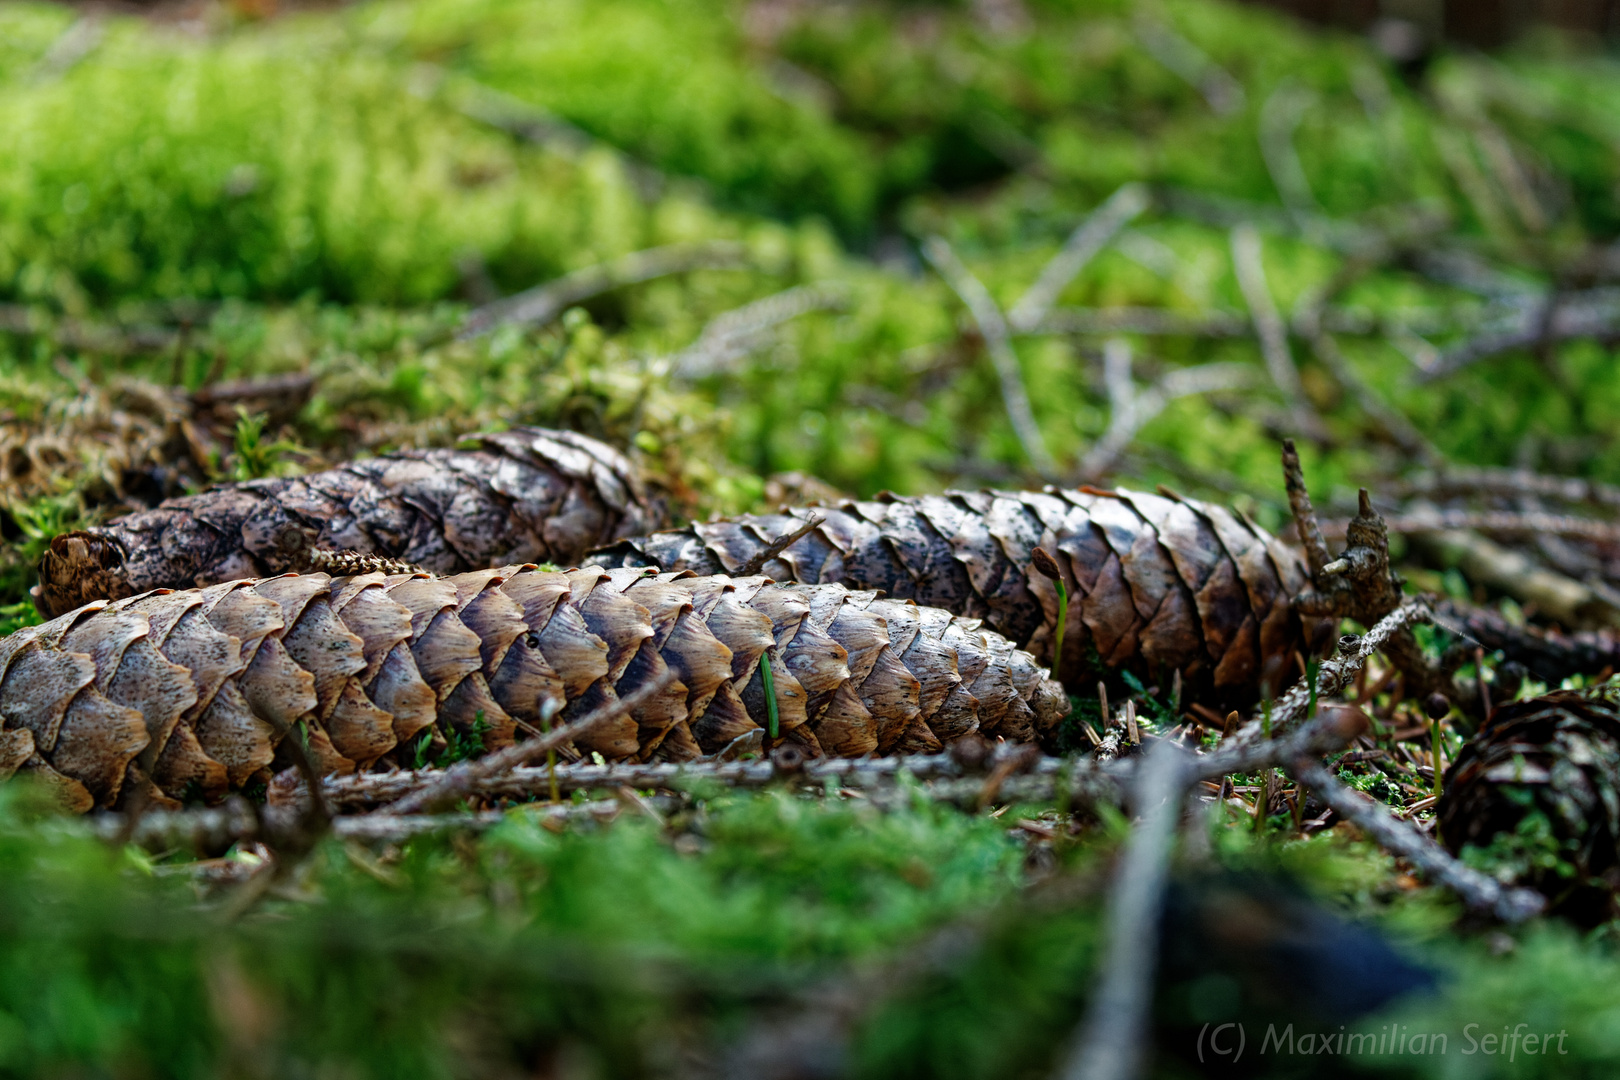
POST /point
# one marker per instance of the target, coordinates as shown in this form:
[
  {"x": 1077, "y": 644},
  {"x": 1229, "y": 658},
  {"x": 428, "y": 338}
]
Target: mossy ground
[{"x": 329, "y": 192}]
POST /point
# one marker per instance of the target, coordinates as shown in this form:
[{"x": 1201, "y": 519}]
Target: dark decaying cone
[
  {"x": 1556, "y": 756},
  {"x": 525, "y": 495},
  {"x": 1156, "y": 583},
  {"x": 187, "y": 694}
]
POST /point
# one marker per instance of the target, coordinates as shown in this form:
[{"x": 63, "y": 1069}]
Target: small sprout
[
  {"x": 1048, "y": 567},
  {"x": 549, "y": 708},
  {"x": 255, "y": 458},
  {"x": 772, "y": 722}
]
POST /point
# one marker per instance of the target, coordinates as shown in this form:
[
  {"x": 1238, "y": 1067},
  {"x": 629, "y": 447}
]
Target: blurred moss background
[{"x": 198, "y": 193}]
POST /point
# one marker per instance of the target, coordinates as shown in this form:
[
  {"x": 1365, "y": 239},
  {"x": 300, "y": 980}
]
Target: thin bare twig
[
  {"x": 1165, "y": 322},
  {"x": 1220, "y": 90},
  {"x": 1336, "y": 674},
  {"x": 463, "y": 779},
  {"x": 1499, "y": 522},
  {"x": 1280, "y": 117},
  {"x": 1401, "y": 431},
  {"x": 1537, "y": 320},
  {"x": 1468, "y": 480},
  {"x": 1269, "y": 326},
  {"x": 73, "y": 45},
  {"x": 1147, "y": 321},
  {"x": 1556, "y": 596},
  {"x": 541, "y": 304},
  {"x": 779, "y": 545},
  {"x": 1110, "y": 1042},
  {"x": 998, "y": 343},
  {"x": 1083, "y": 245},
  {"x": 372, "y": 789},
  {"x": 1130, "y": 411},
  {"x": 1478, "y": 891},
  {"x": 734, "y": 334}
]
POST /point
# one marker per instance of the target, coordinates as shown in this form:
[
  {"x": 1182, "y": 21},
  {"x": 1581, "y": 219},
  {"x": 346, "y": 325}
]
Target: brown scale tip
[
  {"x": 79, "y": 567},
  {"x": 1045, "y": 564}
]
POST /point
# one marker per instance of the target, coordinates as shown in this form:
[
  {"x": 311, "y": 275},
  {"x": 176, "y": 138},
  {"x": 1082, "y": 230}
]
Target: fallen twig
[
  {"x": 735, "y": 334},
  {"x": 216, "y": 829},
  {"x": 541, "y": 304},
  {"x": 1549, "y": 656},
  {"x": 1269, "y": 326},
  {"x": 1220, "y": 90},
  {"x": 1093, "y": 234},
  {"x": 1500, "y": 522},
  {"x": 1511, "y": 483},
  {"x": 779, "y": 545},
  {"x": 462, "y": 780},
  {"x": 373, "y": 789},
  {"x": 1130, "y": 411},
  {"x": 1557, "y": 597},
  {"x": 998, "y": 343},
  {"x": 1400, "y": 431},
  {"x": 1591, "y": 314},
  {"x": 1334, "y": 675},
  {"x": 1280, "y": 116},
  {"x": 1110, "y": 1042},
  {"x": 1479, "y": 892}
]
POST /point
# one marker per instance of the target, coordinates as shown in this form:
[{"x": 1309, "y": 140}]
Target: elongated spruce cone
[
  {"x": 190, "y": 692},
  {"x": 525, "y": 495},
  {"x": 1155, "y": 583},
  {"x": 1539, "y": 787}
]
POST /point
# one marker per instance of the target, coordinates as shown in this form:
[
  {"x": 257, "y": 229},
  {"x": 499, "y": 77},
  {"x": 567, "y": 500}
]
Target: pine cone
[
  {"x": 188, "y": 693},
  {"x": 523, "y": 495},
  {"x": 1156, "y": 583},
  {"x": 1539, "y": 788}
]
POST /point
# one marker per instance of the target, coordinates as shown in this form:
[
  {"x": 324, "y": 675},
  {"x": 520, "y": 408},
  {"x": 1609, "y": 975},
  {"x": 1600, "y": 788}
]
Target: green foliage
[
  {"x": 255, "y": 456},
  {"x": 107, "y": 964},
  {"x": 1531, "y": 851},
  {"x": 328, "y": 192}
]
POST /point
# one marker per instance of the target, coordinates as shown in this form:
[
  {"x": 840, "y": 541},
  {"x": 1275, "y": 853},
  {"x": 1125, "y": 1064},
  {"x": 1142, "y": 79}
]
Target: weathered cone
[
  {"x": 1541, "y": 781},
  {"x": 188, "y": 694},
  {"x": 1156, "y": 583},
  {"x": 525, "y": 495}
]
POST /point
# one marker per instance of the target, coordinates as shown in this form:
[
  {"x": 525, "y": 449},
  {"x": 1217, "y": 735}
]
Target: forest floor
[{"x": 780, "y": 252}]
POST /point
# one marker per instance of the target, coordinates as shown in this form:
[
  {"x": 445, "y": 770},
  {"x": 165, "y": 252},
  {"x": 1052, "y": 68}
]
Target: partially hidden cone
[
  {"x": 188, "y": 694},
  {"x": 1156, "y": 583},
  {"x": 524, "y": 495},
  {"x": 1538, "y": 787}
]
